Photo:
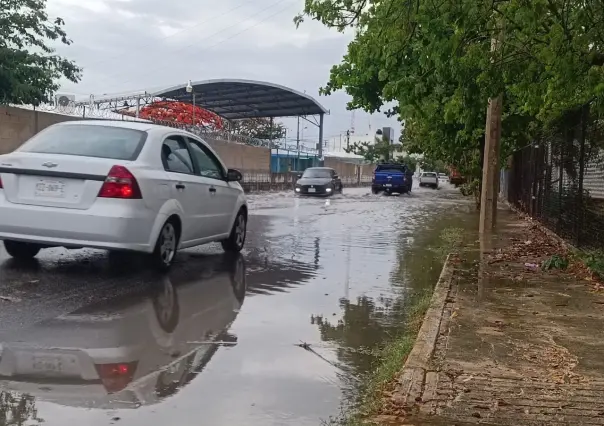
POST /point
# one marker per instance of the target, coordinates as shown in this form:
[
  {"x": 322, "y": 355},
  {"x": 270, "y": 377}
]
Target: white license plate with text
[
  {"x": 50, "y": 189},
  {"x": 312, "y": 190},
  {"x": 388, "y": 185}
]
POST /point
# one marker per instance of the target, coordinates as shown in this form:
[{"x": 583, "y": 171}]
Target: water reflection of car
[
  {"x": 318, "y": 181},
  {"x": 132, "y": 351}
]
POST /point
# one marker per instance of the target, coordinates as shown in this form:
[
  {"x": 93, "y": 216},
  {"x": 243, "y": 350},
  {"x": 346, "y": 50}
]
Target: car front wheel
[
  {"x": 236, "y": 240},
  {"x": 166, "y": 246},
  {"x": 20, "y": 250}
]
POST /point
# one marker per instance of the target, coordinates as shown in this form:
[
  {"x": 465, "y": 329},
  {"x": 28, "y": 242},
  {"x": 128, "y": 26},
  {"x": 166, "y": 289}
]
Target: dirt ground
[{"x": 517, "y": 345}]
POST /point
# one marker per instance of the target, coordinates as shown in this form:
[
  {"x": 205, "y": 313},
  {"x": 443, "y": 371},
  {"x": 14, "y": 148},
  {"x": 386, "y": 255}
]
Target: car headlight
[
  {"x": 297, "y": 189},
  {"x": 328, "y": 189}
]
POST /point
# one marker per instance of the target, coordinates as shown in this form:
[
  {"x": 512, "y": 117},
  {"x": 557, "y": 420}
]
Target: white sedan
[{"x": 118, "y": 186}]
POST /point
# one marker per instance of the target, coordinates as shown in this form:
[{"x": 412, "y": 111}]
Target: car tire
[
  {"x": 236, "y": 240},
  {"x": 375, "y": 191},
  {"x": 166, "y": 245},
  {"x": 20, "y": 250}
]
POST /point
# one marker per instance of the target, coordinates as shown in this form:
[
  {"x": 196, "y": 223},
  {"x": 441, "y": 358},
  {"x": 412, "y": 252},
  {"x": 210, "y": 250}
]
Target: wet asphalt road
[{"x": 101, "y": 340}]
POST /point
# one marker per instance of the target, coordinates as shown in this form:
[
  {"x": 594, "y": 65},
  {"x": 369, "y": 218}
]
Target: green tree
[
  {"x": 259, "y": 128},
  {"x": 29, "y": 68},
  {"x": 434, "y": 61}
]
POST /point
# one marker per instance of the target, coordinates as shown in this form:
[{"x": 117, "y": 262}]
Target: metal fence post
[{"x": 580, "y": 207}]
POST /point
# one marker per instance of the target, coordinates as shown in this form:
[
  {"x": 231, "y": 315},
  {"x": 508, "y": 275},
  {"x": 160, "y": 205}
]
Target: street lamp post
[{"x": 190, "y": 90}]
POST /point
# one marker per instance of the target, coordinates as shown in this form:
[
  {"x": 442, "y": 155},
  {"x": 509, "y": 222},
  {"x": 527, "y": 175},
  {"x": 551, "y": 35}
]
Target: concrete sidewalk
[{"x": 516, "y": 345}]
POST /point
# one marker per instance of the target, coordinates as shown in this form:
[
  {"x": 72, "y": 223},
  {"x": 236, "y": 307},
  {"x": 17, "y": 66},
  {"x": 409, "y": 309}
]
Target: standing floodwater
[{"x": 280, "y": 335}]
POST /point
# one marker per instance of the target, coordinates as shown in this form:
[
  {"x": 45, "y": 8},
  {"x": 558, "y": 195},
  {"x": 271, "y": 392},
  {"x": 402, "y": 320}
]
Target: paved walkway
[{"x": 517, "y": 346}]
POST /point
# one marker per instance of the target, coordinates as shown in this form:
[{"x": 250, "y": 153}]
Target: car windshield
[
  {"x": 317, "y": 173},
  {"x": 84, "y": 140},
  {"x": 429, "y": 174},
  {"x": 442, "y": 174}
]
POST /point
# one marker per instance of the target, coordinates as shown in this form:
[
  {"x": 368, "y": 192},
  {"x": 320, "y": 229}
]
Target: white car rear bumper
[{"x": 108, "y": 224}]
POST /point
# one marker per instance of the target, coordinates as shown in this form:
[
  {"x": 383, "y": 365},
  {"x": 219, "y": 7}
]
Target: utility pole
[
  {"x": 347, "y": 139},
  {"x": 298, "y": 136},
  {"x": 490, "y": 166}
]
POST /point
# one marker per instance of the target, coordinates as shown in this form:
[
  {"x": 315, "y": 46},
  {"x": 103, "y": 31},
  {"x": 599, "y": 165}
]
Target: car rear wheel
[
  {"x": 20, "y": 250},
  {"x": 166, "y": 246},
  {"x": 236, "y": 240}
]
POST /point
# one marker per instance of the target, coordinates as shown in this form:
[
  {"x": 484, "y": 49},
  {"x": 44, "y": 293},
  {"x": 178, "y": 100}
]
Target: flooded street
[{"x": 96, "y": 340}]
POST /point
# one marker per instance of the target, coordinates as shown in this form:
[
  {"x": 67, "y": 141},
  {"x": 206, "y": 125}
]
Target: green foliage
[
  {"x": 470, "y": 188},
  {"x": 259, "y": 128},
  {"x": 594, "y": 260},
  {"x": 29, "y": 68},
  {"x": 373, "y": 152},
  {"x": 434, "y": 61},
  {"x": 555, "y": 262}
]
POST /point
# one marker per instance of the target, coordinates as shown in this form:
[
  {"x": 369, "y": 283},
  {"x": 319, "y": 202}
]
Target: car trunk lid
[
  {"x": 53, "y": 180},
  {"x": 393, "y": 177}
]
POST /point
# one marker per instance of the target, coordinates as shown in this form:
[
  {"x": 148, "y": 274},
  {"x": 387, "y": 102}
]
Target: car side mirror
[
  {"x": 299, "y": 175},
  {"x": 336, "y": 176},
  {"x": 234, "y": 175}
]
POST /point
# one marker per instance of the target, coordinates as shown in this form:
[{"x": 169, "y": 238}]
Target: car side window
[
  {"x": 175, "y": 156},
  {"x": 207, "y": 163}
]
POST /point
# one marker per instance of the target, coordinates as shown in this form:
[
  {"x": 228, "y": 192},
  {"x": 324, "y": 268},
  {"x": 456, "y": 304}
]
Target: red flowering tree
[{"x": 180, "y": 112}]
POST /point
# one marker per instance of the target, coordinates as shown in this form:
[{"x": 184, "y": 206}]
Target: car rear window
[
  {"x": 429, "y": 174},
  {"x": 390, "y": 169},
  {"x": 84, "y": 140}
]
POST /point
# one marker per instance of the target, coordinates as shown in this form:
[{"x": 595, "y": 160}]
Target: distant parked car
[
  {"x": 118, "y": 186},
  {"x": 442, "y": 177},
  {"x": 456, "y": 178},
  {"x": 318, "y": 181},
  {"x": 429, "y": 179}
]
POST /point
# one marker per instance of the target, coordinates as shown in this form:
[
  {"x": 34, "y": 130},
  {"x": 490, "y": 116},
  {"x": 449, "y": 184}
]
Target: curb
[{"x": 416, "y": 379}]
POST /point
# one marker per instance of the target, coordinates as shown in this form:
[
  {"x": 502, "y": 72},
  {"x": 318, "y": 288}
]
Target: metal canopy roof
[{"x": 237, "y": 99}]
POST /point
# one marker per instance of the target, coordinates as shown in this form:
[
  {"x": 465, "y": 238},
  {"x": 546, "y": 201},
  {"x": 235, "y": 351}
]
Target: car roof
[
  {"x": 319, "y": 168},
  {"x": 134, "y": 125}
]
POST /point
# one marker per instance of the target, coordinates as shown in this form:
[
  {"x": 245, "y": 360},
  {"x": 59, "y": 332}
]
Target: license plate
[
  {"x": 388, "y": 185},
  {"x": 47, "y": 364},
  {"x": 312, "y": 190},
  {"x": 50, "y": 188}
]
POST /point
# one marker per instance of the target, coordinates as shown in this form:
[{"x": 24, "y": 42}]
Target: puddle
[{"x": 222, "y": 340}]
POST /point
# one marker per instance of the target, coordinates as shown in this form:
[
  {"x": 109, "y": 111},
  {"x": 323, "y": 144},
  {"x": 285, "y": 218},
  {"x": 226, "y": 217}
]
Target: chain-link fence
[{"x": 560, "y": 180}]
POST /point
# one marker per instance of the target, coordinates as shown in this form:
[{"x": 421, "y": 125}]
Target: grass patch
[{"x": 451, "y": 240}]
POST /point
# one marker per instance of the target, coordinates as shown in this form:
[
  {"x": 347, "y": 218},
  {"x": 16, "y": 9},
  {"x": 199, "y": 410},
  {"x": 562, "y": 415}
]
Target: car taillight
[
  {"x": 115, "y": 377},
  {"x": 120, "y": 183}
]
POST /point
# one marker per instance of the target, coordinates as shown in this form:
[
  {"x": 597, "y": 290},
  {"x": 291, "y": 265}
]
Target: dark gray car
[{"x": 318, "y": 181}]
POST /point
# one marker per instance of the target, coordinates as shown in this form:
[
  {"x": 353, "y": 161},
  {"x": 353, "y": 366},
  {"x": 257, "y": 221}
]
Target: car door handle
[
  {"x": 180, "y": 186},
  {"x": 212, "y": 190}
]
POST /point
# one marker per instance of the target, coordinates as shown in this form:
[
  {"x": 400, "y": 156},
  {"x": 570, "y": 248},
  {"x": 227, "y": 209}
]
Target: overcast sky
[{"x": 128, "y": 45}]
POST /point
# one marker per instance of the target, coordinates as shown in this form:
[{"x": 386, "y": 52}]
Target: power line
[
  {"x": 173, "y": 34},
  {"x": 169, "y": 64}
]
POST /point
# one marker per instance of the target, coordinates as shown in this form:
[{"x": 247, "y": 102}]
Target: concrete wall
[
  {"x": 243, "y": 157},
  {"x": 351, "y": 173},
  {"x": 17, "y": 125}
]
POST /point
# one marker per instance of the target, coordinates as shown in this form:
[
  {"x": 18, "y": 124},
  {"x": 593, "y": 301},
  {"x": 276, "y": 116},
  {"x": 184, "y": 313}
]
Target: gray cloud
[{"x": 129, "y": 45}]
